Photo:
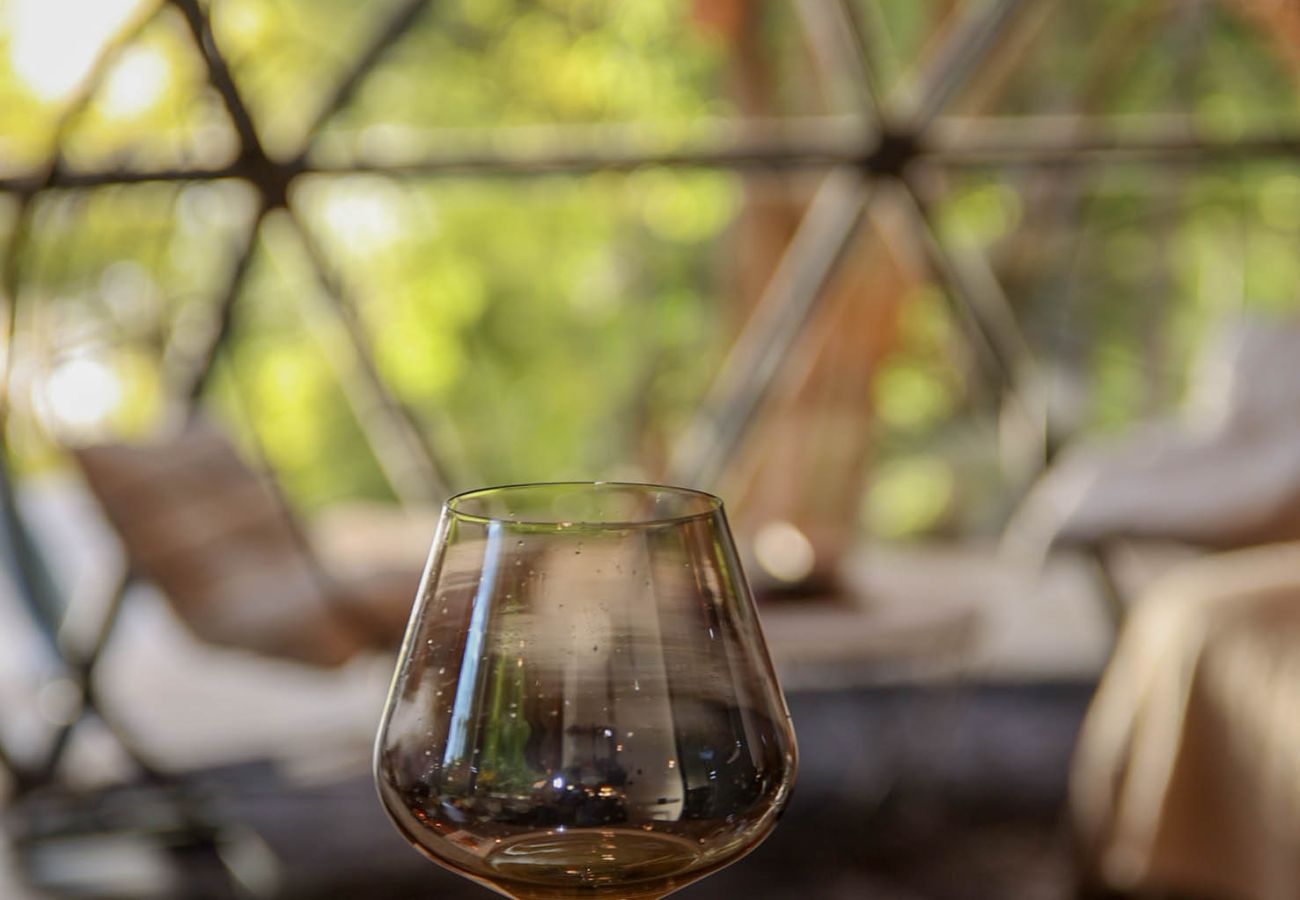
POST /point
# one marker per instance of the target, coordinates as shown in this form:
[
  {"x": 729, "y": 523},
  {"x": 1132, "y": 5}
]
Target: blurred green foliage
[{"x": 565, "y": 327}]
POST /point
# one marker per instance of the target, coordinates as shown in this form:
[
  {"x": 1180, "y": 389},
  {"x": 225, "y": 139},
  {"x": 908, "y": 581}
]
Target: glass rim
[{"x": 713, "y": 505}]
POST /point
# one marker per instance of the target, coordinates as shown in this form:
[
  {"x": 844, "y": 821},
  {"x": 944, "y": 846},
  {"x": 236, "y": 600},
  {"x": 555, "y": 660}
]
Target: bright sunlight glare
[
  {"x": 363, "y": 216},
  {"x": 135, "y": 84},
  {"x": 53, "y": 43},
  {"x": 82, "y": 393}
]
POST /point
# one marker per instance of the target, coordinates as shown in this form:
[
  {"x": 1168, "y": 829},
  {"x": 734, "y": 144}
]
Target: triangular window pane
[{"x": 153, "y": 108}]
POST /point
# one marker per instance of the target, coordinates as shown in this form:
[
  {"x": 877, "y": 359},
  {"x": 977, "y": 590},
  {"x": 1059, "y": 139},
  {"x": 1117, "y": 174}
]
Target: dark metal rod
[
  {"x": 960, "y": 54},
  {"x": 219, "y": 76},
  {"x": 1086, "y": 141},
  {"x": 838, "y": 55},
  {"x": 35, "y": 587},
  {"x": 396, "y": 438},
  {"x": 35, "y": 583},
  {"x": 991, "y": 328},
  {"x": 71, "y": 179},
  {"x": 81, "y": 663},
  {"x": 397, "y": 25},
  {"x": 997, "y": 351},
  {"x": 806, "y": 142},
  {"x": 976, "y": 286},
  {"x": 1033, "y": 141},
  {"x": 194, "y": 372},
  {"x": 791, "y": 297},
  {"x": 858, "y": 36}
]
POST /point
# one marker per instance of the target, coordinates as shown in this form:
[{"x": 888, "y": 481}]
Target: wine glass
[{"x": 584, "y": 705}]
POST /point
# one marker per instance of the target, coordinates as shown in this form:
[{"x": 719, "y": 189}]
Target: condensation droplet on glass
[{"x": 442, "y": 670}]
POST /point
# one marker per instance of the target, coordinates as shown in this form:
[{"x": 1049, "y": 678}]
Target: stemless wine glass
[{"x": 584, "y": 705}]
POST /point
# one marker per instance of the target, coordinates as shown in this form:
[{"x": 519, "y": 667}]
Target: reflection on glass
[{"x": 584, "y": 705}]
